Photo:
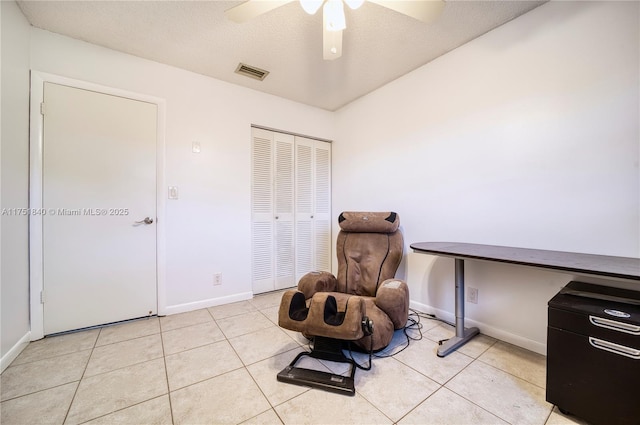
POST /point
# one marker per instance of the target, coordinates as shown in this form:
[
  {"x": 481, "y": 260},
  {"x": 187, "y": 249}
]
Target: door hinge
[
  {"x": 41, "y": 297},
  {"x": 42, "y": 108}
]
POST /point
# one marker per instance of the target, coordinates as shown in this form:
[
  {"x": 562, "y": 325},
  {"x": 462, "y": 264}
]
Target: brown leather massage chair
[{"x": 361, "y": 308}]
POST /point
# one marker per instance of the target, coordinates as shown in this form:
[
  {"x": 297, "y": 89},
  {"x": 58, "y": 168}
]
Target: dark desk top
[{"x": 572, "y": 262}]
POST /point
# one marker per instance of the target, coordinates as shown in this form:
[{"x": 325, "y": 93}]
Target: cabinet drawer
[
  {"x": 597, "y": 326},
  {"x": 593, "y": 378}
]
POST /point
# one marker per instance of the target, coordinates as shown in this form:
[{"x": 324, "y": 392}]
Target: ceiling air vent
[{"x": 251, "y": 71}]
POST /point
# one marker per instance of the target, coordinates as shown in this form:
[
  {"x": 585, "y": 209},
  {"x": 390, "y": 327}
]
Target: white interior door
[{"x": 99, "y": 179}]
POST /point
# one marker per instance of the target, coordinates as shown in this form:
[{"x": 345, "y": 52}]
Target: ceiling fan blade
[
  {"x": 423, "y": 10},
  {"x": 252, "y": 8}
]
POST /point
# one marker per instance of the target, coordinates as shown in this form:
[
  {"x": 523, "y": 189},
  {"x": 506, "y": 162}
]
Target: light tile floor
[{"x": 219, "y": 366}]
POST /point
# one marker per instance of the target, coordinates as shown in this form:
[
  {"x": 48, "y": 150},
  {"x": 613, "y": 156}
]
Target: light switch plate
[{"x": 173, "y": 192}]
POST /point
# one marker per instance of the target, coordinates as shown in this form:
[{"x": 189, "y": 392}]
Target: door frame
[{"x": 36, "y": 146}]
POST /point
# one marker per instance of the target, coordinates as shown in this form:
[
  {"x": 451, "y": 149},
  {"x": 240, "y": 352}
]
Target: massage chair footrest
[{"x": 318, "y": 379}]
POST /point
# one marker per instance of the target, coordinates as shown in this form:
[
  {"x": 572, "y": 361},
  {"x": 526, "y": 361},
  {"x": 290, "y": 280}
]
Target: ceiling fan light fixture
[
  {"x": 311, "y": 6},
  {"x": 354, "y": 4},
  {"x": 333, "y": 18},
  {"x": 333, "y": 11}
]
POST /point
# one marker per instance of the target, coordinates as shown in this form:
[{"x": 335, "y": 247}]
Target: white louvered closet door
[
  {"x": 284, "y": 211},
  {"x": 313, "y": 206},
  {"x": 322, "y": 211},
  {"x": 262, "y": 228},
  {"x": 304, "y": 207},
  {"x": 291, "y": 208}
]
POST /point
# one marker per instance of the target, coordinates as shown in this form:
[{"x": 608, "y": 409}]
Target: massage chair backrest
[{"x": 369, "y": 251}]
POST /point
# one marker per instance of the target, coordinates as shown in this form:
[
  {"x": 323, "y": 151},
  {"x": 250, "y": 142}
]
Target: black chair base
[{"x": 324, "y": 349}]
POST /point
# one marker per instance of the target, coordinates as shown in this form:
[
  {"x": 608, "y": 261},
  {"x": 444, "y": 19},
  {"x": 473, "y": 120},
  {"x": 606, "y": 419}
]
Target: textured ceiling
[{"x": 379, "y": 45}]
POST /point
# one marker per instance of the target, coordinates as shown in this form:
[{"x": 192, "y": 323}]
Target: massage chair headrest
[{"x": 369, "y": 222}]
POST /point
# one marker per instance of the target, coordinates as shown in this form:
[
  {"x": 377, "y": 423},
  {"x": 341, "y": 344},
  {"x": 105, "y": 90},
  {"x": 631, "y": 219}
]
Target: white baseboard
[
  {"x": 15, "y": 351},
  {"x": 489, "y": 330},
  {"x": 211, "y": 302}
]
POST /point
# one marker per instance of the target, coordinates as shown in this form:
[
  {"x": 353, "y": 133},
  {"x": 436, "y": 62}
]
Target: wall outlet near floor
[
  {"x": 472, "y": 295},
  {"x": 217, "y": 279}
]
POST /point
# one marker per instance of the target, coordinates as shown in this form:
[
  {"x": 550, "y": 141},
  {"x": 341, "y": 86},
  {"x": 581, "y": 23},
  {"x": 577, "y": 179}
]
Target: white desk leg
[{"x": 462, "y": 335}]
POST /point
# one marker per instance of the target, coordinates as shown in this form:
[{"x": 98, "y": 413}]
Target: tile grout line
[
  {"x": 120, "y": 368},
  {"x": 75, "y": 393},
  {"x": 95, "y": 346},
  {"x": 443, "y": 385},
  {"x": 440, "y": 386},
  {"x": 465, "y": 398},
  {"x": 418, "y": 405},
  {"x": 243, "y": 366},
  {"x": 477, "y": 405},
  {"x": 374, "y": 406},
  {"x": 272, "y": 407},
  {"x": 195, "y": 348},
  {"x": 549, "y": 415},
  {"x": 166, "y": 375},
  {"x": 124, "y": 367},
  {"x": 510, "y": 374},
  {"x": 37, "y": 391},
  {"x": 128, "y": 339}
]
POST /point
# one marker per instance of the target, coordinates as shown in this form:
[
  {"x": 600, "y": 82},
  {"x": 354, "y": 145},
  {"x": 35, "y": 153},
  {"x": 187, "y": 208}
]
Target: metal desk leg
[{"x": 462, "y": 335}]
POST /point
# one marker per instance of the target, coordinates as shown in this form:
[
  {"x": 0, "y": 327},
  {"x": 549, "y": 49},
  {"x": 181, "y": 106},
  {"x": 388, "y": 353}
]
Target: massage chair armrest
[
  {"x": 393, "y": 298},
  {"x": 313, "y": 282}
]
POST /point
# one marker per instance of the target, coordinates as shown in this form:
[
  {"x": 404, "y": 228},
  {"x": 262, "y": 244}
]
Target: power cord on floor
[
  {"x": 433, "y": 317},
  {"x": 412, "y": 332},
  {"x": 370, "y": 355}
]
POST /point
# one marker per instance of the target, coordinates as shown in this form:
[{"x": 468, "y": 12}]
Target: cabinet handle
[
  {"x": 615, "y": 348},
  {"x": 615, "y": 325}
]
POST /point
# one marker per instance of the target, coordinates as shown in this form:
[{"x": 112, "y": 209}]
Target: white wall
[
  {"x": 208, "y": 228},
  {"x": 527, "y": 136},
  {"x": 14, "y": 286}
]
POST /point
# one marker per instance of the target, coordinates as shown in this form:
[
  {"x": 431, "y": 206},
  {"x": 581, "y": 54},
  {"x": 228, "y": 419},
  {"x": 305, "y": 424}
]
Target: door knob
[{"x": 146, "y": 220}]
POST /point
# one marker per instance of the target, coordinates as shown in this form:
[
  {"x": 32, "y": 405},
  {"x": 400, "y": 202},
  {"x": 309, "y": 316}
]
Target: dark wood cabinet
[{"x": 593, "y": 353}]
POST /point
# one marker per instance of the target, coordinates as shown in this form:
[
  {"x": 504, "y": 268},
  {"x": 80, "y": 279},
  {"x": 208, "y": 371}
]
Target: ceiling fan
[{"x": 333, "y": 18}]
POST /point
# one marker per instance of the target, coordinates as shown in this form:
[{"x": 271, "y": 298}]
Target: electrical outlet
[
  {"x": 217, "y": 279},
  {"x": 472, "y": 295}
]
